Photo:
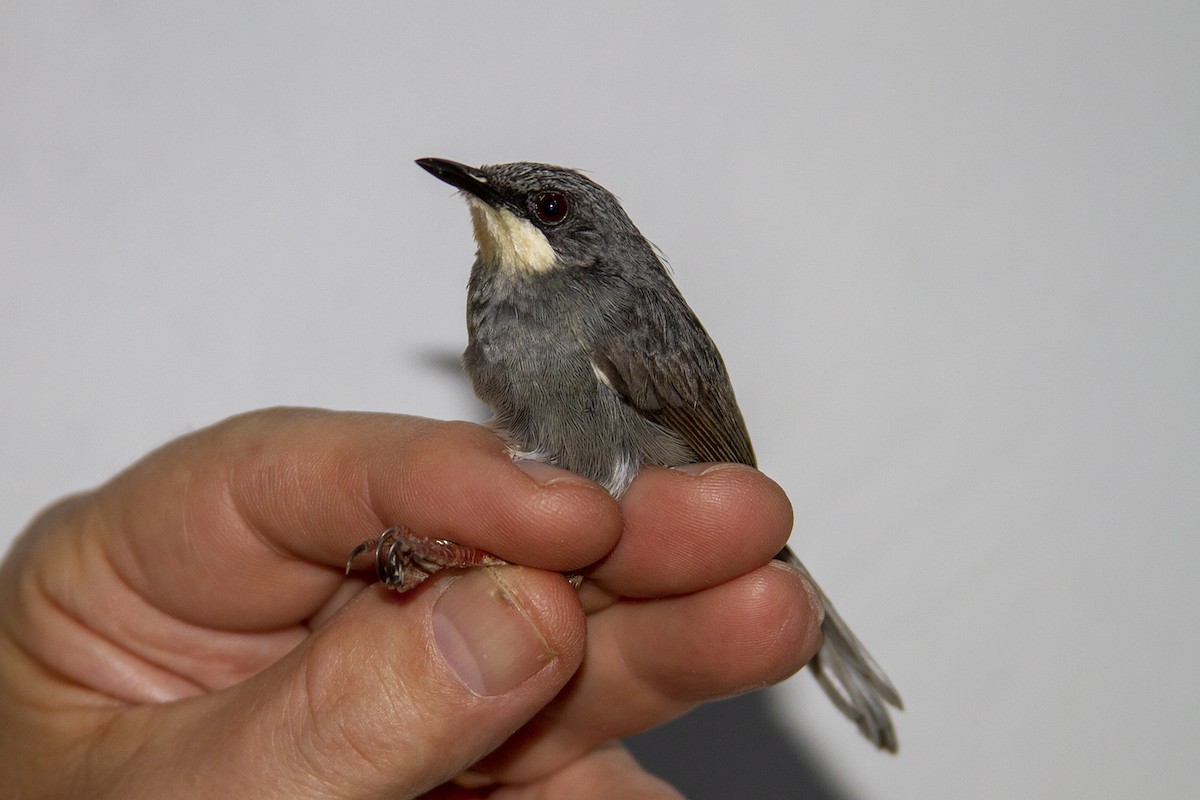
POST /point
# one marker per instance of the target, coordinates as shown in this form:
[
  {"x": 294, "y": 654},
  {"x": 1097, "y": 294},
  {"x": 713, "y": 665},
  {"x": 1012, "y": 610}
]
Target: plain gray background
[{"x": 950, "y": 252}]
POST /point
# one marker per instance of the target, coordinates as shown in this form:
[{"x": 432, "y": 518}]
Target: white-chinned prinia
[{"x": 592, "y": 361}]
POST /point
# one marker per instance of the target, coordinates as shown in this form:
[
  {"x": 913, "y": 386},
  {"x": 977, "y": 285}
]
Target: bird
[{"x": 592, "y": 361}]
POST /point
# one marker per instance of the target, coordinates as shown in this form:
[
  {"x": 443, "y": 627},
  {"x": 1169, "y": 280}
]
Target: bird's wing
[{"x": 678, "y": 382}]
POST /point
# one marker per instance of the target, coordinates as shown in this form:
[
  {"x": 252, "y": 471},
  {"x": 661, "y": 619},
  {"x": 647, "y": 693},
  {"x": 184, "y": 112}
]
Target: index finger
[{"x": 238, "y": 524}]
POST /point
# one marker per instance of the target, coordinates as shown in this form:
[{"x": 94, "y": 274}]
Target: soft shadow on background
[{"x": 731, "y": 749}]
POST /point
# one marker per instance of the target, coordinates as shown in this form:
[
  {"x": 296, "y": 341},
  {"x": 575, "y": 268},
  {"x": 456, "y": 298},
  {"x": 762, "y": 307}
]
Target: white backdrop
[{"x": 950, "y": 252}]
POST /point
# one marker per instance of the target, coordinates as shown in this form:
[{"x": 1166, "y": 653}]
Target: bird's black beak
[{"x": 461, "y": 176}]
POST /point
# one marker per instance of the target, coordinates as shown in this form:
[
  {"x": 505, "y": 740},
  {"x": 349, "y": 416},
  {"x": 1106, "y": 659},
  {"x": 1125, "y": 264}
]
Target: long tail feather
[{"x": 849, "y": 675}]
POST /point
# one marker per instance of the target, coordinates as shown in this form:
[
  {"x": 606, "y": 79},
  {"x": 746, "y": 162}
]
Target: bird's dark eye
[{"x": 551, "y": 208}]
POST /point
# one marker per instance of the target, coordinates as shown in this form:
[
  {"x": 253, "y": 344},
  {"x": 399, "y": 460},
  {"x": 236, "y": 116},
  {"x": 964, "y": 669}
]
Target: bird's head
[{"x": 533, "y": 218}]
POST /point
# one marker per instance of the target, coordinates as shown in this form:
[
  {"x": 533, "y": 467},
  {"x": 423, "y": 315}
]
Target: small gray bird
[{"x": 592, "y": 361}]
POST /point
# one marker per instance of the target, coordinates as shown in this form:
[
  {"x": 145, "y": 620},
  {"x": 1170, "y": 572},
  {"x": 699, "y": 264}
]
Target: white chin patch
[{"x": 509, "y": 242}]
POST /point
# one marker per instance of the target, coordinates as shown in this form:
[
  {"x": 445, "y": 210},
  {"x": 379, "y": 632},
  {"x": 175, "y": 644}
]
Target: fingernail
[
  {"x": 485, "y": 637},
  {"x": 546, "y": 474},
  {"x": 700, "y": 470}
]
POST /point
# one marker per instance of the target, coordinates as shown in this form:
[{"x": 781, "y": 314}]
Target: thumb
[{"x": 394, "y": 696}]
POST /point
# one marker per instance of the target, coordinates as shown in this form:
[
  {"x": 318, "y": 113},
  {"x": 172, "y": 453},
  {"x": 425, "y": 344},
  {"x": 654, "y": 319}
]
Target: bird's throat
[{"x": 508, "y": 242}]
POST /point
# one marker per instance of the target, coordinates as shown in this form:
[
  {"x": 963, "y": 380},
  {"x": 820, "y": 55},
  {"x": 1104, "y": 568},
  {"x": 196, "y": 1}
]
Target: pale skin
[{"x": 186, "y": 630}]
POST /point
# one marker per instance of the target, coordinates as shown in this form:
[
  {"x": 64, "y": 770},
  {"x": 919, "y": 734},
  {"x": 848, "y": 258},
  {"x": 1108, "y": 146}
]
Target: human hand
[{"x": 186, "y": 629}]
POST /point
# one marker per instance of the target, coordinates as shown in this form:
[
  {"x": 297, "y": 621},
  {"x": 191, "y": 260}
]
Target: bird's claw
[{"x": 403, "y": 561}]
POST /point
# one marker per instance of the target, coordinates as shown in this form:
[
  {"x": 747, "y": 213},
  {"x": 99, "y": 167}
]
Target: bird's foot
[{"x": 403, "y": 561}]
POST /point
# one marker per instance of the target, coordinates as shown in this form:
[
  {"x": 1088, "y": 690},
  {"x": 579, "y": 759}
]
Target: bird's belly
[{"x": 573, "y": 421}]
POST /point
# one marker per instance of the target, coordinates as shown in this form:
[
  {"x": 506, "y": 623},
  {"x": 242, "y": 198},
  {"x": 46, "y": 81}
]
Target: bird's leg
[{"x": 402, "y": 561}]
